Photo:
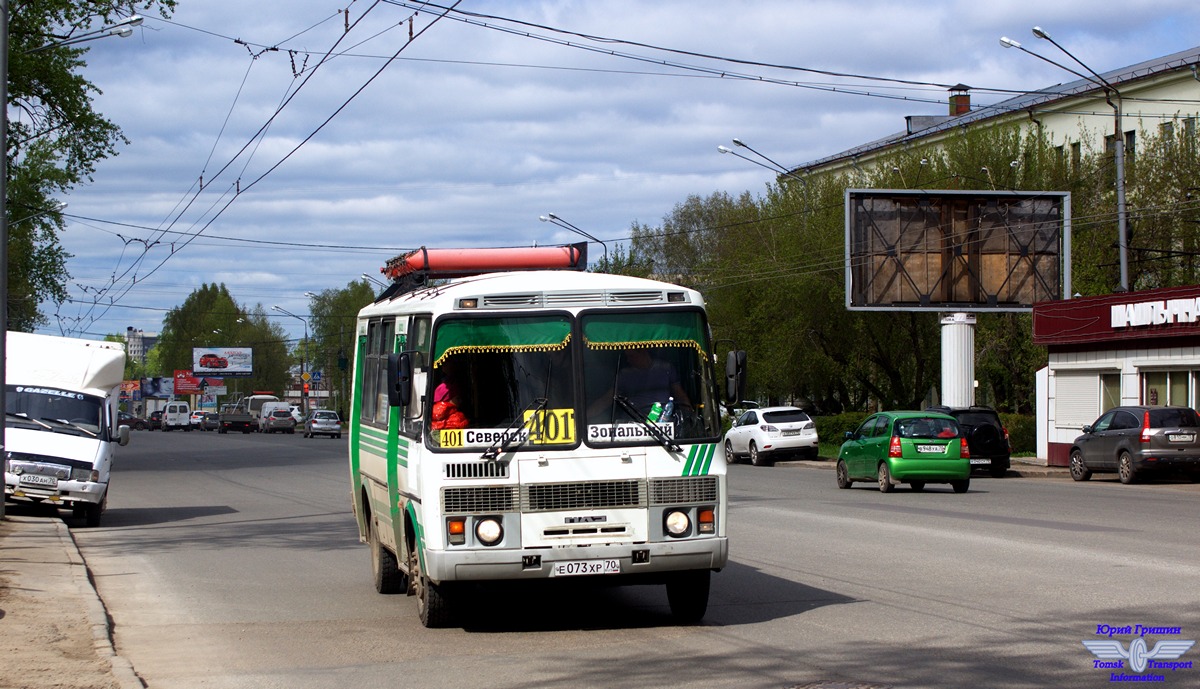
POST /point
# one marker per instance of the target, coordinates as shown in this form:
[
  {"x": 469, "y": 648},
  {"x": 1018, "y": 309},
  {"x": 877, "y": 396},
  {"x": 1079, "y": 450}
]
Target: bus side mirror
[
  {"x": 399, "y": 375},
  {"x": 735, "y": 376}
]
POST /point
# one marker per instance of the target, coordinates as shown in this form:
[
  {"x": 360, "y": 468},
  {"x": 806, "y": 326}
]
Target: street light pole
[
  {"x": 555, "y": 220},
  {"x": 1118, "y": 139},
  {"x": 303, "y": 358}
]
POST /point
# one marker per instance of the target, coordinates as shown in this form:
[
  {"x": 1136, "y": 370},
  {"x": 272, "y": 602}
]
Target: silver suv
[{"x": 279, "y": 421}]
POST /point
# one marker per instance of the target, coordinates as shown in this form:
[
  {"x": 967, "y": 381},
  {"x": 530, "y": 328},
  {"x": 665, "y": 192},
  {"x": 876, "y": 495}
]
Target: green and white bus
[{"x": 528, "y": 424}]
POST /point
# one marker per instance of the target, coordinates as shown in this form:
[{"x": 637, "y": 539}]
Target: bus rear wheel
[
  {"x": 388, "y": 578},
  {"x": 432, "y": 607},
  {"x": 687, "y": 593}
]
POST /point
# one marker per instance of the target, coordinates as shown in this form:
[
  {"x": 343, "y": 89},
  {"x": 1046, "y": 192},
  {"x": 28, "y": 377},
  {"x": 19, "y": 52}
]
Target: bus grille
[
  {"x": 477, "y": 470},
  {"x": 582, "y": 495},
  {"x": 479, "y": 499},
  {"x": 683, "y": 491}
]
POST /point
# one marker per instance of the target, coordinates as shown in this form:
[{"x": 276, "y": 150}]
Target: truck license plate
[
  {"x": 580, "y": 567},
  {"x": 38, "y": 480}
]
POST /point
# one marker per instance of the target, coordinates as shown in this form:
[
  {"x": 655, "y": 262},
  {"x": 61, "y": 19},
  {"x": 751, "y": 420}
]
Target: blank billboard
[{"x": 954, "y": 250}]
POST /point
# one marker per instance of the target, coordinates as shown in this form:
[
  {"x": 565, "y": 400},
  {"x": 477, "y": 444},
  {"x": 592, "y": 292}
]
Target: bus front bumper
[{"x": 634, "y": 560}]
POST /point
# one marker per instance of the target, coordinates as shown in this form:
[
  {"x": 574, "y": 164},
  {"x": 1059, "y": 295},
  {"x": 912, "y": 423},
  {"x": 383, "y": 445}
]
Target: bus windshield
[
  {"x": 647, "y": 368},
  {"x": 546, "y": 382}
]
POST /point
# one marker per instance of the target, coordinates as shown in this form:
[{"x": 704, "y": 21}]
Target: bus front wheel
[
  {"x": 432, "y": 606},
  {"x": 687, "y": 593}
]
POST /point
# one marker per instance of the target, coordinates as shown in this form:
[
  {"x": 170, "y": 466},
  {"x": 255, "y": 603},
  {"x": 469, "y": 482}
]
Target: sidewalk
[{"x": 53, "y": 627}]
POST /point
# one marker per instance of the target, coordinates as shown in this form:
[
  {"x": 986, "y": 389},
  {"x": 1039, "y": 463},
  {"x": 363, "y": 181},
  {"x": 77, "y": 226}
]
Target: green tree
[
  {"x": 55, "y": 138},
  {"x": 210, "y": 317},
  {"x": 335, "y": 336}
]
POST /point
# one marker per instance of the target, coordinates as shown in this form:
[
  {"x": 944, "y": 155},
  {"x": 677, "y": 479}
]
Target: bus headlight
[
  {"x": 677, "y": 523},
  {"x": 489, "y": 531}
]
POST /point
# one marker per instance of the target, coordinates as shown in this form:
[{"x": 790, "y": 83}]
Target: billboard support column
[{"x": 958, "y": 360}]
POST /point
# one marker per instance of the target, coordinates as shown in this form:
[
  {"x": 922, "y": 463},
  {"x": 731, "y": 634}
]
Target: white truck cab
[{"x": 61, "y": 430}]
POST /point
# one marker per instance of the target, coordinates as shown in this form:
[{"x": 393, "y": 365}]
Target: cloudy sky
[{"x": 278, "y": 153}]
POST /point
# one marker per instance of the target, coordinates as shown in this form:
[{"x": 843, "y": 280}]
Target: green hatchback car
[{"x": 913, "y": 447}]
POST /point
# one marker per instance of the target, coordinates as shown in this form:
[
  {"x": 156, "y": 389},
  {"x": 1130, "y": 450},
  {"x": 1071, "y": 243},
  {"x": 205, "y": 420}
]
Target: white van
[
  {"x": 265, "y": 412},
  {"x": 177, "y": 415},
  {"x": 62, "y": 427}
]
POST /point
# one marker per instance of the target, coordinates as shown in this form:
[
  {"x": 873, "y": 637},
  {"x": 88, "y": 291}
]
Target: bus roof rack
[{"x": 413, "y": 269}]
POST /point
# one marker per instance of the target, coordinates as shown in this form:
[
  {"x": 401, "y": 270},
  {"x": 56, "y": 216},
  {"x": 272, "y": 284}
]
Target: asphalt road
[{"x": 231, "y": 561}]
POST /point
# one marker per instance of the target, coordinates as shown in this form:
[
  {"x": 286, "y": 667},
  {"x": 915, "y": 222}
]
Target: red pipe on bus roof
[{"x": 464, "y": 262}]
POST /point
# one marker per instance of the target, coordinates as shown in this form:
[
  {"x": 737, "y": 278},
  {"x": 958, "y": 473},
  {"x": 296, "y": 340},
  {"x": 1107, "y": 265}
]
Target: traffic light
[{"x": 306, "y": 389}]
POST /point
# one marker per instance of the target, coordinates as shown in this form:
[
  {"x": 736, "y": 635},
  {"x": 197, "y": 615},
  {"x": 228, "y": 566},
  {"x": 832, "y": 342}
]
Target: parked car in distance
[
  {"x": 913, "y": 447},
  {"x": 136, "y": 423},
  {"x": 1137, "y": 440},
  {"x": 770, "y": 433},
  {"x": 211, "y": 421},
  {"x": 155, "y": 420},
  {"x": 986, "y": 437},
  {"x": 279, "y": 421},
  {"x": 323, "y": 422}
]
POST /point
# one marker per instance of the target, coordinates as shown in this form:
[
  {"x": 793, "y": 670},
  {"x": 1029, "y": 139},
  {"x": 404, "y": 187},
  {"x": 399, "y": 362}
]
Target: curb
[{"x": 122, "y": 669}]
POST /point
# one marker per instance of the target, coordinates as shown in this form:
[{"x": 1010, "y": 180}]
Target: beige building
[{"x": 1154, "y": 96}]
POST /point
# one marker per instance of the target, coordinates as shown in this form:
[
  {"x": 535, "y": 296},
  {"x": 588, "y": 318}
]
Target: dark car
[
  {"x": 986, "y": 436},
  {"x": 155, "y": 420},
  {"x": 134, "y": 422},
  {"x": 1136, "y": 440},
  {"x": 211, "y": 421}
]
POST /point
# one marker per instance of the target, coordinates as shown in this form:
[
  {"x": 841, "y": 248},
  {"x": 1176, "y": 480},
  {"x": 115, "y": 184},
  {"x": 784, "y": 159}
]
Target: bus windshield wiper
[
  {"x": 655, "y": 432},
  {"x": 501, "y": 445}
]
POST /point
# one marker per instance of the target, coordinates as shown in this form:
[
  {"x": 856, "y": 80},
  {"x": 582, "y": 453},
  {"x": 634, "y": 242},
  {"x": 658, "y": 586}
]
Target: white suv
[{"x": 769, "y": 433}]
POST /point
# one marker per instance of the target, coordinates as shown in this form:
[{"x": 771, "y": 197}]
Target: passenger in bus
[
  {"x": 645, "y": 380},
  {"x": 447, "y": 399}
]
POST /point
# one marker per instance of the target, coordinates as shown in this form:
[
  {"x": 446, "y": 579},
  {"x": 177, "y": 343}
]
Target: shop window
[
  {"x": 1110, "y": 391},
  {"x": 1166, "y": 387}
]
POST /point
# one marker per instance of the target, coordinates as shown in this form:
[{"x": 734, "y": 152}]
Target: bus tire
[
  {"x": 687, "y": 593},
  {"x": 387, "y": 575},
  {"x": 432, "y": 606}
]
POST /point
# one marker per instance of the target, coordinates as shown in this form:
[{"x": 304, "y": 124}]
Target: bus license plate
[
  {"x": 38, "y": 480},
  {"x": 582, "y": 567}
]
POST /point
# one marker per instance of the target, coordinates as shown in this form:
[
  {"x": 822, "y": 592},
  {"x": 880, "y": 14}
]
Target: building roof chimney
[{"x": 960, "y": 100}]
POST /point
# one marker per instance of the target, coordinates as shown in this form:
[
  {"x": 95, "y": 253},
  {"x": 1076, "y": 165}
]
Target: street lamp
[
  {"x": 122, "y": 29},
  {"x": 1118, "y": 138},
  {"x": 555, "y": 220},
  {"x": 371, "y": 279},
  {"x": 5, "y": 6},
  {"x": 303, "y": 357},
  {"x": 773, "y": 167}
]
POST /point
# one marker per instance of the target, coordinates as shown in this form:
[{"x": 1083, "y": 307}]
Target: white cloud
[{"x": 474, "y": 133}]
